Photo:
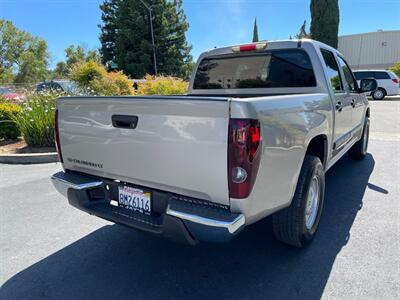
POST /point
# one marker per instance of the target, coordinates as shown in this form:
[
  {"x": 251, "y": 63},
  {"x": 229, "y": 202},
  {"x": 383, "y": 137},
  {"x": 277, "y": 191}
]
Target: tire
[
  {"x": 379, "y": 94},
  {"x": 296, "y": 225},
  {"x": 359, "y": 149}
]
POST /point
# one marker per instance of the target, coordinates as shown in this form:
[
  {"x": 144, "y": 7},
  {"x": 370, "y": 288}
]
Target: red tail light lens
[
  {"x": 244, "y": 48},
  {"x": 57, "y": 136},
  {"x": 250, "y": 47},
  {"x": 395, "y": 80},
  {"x": 244, "y": 154}
]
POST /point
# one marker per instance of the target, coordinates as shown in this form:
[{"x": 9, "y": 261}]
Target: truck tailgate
[{"x": 179, "y": 143}]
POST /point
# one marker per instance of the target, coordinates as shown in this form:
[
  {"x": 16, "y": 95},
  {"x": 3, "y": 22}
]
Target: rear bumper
[{"x": 174, "y": 216}]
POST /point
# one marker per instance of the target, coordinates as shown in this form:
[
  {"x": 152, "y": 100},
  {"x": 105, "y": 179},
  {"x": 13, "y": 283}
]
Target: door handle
[
  {"x": 353, "y": 103},
  {"x": 123, "y": 121},
  {"x": 339, "y": 106}
]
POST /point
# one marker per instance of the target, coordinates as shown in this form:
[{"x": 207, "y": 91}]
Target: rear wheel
[
  {"x": 379, "y": 94},
  {"x": 359, "y": 149},
  {"x": 297, "y": 224}
]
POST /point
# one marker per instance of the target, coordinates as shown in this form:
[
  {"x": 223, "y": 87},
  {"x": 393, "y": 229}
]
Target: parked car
[
  {"x": 388, "y": 82},
  {"x": 10, "y": 94},
  {"x": 261, "y": 125},
  {"x": 66, "y": 86}
]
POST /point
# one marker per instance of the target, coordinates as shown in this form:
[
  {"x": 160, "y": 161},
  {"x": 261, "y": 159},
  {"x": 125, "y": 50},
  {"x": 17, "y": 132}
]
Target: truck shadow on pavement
[{"x": 114, "y": 262}]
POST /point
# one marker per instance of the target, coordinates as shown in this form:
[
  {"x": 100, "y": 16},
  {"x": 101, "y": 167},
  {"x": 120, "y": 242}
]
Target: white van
[{"x": 388, "y": 82}]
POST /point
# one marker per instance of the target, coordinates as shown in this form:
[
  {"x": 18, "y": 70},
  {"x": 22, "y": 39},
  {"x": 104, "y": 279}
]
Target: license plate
[{"x": 134, "y": 199}]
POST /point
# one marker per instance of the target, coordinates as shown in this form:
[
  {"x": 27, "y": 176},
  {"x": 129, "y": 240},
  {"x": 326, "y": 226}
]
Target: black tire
[
  {"x": 359, "y": 149},
  {"x": 290, "y": 224},
  {"x": 379, "y": 94}
]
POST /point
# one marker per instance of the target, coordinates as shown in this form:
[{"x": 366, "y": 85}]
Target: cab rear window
[{"x": 272, "y": 69}]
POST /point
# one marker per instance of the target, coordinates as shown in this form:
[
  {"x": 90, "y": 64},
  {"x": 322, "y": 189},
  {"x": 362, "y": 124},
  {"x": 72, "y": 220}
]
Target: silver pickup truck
[{"x": 254, "y": 136}]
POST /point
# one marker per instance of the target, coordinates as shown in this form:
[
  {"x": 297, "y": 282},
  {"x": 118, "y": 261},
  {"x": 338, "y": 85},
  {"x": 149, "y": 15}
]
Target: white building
[{"x": 372, "y": 50}]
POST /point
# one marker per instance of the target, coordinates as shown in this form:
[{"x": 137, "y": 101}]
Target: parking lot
[{"x": 53, "y": 251}]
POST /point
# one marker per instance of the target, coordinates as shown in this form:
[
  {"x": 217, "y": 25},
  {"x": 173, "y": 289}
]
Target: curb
[{"x": 29, "y": 158}]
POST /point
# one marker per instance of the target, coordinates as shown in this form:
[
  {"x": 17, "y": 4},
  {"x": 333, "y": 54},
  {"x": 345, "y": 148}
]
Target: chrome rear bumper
[
  {"x": 62, "y": 182},
  {"x": 175, "y": 216}
]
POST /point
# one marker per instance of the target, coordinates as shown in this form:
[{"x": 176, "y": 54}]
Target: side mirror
[{"x": 368, "y": 85}]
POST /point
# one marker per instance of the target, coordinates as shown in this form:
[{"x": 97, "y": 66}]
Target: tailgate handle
[{"x": 122, "y": 121}]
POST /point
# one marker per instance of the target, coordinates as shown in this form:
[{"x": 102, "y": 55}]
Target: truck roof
[{"x": 271, "y": 45}]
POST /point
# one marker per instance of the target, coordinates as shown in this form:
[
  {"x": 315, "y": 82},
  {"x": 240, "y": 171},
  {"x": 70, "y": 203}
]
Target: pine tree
[
  {"x": 325, "y": 21},
  {"x": 108, "y": 30},
  {"x": 126, "y": 37},
  {"x": 255, "y": 31}
]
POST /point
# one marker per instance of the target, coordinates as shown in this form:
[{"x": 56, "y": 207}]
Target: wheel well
[{"x": 318, "y": 147}]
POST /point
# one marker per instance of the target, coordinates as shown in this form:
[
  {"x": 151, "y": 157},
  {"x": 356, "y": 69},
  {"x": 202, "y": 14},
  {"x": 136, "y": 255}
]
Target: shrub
[
  {"x": 102, "y": 87},
  {"x": 396, "y": 68},
  {"x": 84, "y": 73},
  {"x": 36, "y": 119},
  {"x": 93, "y": 77},
  {"x": 122, "y": 82},
  {"x": 8, "y": 128},
  {"x": 162, "y": 86}
]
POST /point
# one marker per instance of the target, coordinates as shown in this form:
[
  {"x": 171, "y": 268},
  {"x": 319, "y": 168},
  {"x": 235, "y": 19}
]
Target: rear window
[
  {"x": 381, "y": 75},
  {"x": 273, "y": 69}
]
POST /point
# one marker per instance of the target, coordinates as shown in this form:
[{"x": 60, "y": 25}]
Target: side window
[
  {"x": 333, "y": 70},
  {"x": 369, "y": 75},
  {"x": 351, "y": 83},
  {"x": 362, "y": 74},
  {"x": 381, "y": 75}
]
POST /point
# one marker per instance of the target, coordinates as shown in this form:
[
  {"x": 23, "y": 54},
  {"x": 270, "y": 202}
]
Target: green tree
[
  {"x": 396, "y": 68},
  {"x": 108, "y": 30},
  {"x": 61, "y": 70},
  {"x": 31, "y": 69},
  {"x": 80, "y": 54},
  {"x": 23, "y": 57},
  {"x": 6, "y": 75},
  {"x": 325, "y": 21},
  {"x": 255, "y": 31},
  {"x": 126, "y": 37},
  {"x": 74, "y": 55}
]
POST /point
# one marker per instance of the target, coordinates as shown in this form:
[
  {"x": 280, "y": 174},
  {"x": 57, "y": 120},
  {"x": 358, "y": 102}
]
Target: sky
[{"x": 213, "y": 23}]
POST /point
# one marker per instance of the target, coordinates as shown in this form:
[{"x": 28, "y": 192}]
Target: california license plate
[{"x": 134, "y": 199}]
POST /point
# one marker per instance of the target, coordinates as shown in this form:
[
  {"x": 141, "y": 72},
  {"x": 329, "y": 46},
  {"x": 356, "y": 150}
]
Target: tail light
[
  {"x": 395, "y": 80},
  {"x": 244, "y": 154},
  {"x": 249, "y": 47},
  {"x": 57, "y": 136}
]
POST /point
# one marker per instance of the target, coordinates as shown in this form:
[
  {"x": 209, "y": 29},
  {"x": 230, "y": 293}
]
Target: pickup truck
[{"x": 254, "y": 136}]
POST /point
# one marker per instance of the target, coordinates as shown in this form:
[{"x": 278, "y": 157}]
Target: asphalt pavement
[{"x": 50, "y": 250}]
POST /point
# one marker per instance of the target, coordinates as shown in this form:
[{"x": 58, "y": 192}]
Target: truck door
[
  {"x": 356, "y": 99},
  {"x": 342, "y": 102}
]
